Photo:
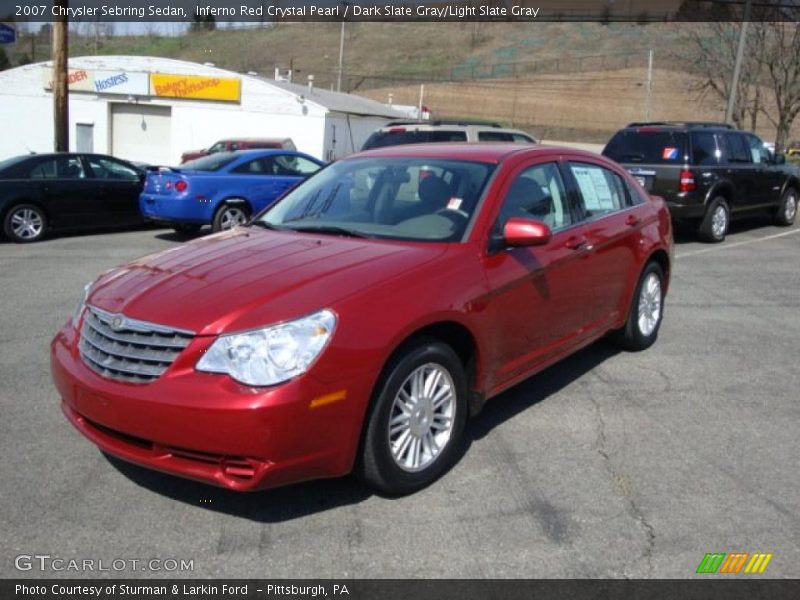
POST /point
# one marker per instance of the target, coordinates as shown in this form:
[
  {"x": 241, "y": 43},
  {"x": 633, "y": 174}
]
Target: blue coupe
[{"x": 222, "y": 189}]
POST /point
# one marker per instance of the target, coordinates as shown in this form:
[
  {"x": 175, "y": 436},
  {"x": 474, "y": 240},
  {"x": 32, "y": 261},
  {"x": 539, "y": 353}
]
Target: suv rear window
[
  {"x": 647, "y": 146},
  {"x": 398, "y": 136}
]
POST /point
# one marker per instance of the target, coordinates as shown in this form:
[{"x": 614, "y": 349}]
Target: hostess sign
[
  {"x": 103, "y": 82},
  {"x": 162, "y": 85}
]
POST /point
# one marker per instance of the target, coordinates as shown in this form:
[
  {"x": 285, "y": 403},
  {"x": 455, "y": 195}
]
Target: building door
[
  {"x": 141, "y": 133},
  {"x": 84, "y": 137}
]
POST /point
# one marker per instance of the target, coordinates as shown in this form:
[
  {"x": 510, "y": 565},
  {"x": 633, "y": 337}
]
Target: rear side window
[
  {"x": 602, "y": 191},
  {"x": 494, "y": 136},
  {"x": 648, "y": 146},
  {"x": 213, "y": 162},
  {"x": 63, "y": 167},
  {"x": 737, "y": 149},
  {"x": 704, "y": 149}
]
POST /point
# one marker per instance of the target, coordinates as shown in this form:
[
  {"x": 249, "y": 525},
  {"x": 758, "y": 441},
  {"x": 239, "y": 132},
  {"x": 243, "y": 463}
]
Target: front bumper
[{"x": 210, "y": 428}]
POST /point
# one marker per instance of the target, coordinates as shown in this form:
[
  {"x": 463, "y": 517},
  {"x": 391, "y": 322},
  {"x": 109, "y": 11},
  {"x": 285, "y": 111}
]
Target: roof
[
  {"x": 470, "y": 151},
  {"x": 337, "y": 101},
  {"x": 332, "y": 101}
]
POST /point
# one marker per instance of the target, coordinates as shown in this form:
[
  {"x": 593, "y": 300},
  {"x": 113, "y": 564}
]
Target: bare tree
[
  {"x": 780, "y": 61},
  {"x": 711, "y": 54}
]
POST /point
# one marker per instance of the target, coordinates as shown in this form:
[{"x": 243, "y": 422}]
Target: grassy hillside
[
  {"x": 392, "y": 50},
  {"x": 560, "y": 80}
]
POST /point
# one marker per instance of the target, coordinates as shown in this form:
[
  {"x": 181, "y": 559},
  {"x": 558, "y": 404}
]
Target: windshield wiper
[{"x": 332, "y": 229}]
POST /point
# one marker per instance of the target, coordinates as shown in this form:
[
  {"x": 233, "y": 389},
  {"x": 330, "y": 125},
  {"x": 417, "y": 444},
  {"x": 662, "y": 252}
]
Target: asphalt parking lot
[{"x": 608, "y": 465}]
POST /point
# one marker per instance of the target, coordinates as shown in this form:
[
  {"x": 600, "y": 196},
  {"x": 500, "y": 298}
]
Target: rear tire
[
  {"x": 414, "y": 430},
  {"x": 647, "y": 311},
  {"x": 230, "y": 215},
  {"x": 715, "y": 224},
  {"x": 787, "y": 209},
  {"x": 25, "y": 223}
]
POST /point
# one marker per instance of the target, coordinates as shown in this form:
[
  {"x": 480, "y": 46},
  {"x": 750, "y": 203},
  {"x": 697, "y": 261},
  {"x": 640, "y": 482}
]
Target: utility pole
[
  {"x": 648, "y": 103},
  {"x": 341, "y": 53},
  {"x": 60, "y": 91},
  {"x": 737, "y": 67}
]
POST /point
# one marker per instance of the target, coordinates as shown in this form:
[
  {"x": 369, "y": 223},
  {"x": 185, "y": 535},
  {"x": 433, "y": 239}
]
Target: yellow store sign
[{"x": 195, "y": 87}]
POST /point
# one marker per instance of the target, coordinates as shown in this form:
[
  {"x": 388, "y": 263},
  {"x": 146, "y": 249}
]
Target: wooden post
[{"x": 60, "y": 90}]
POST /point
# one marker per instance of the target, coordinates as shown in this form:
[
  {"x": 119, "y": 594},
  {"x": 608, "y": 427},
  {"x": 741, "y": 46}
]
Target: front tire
[
  {"x": 787, "y": 209},
  {"x": 415, "y": 428},
  {"x": 229, "y": 216},
  {"x": 715, "y": 224},
  {"x": 647, "y": 311},
  {"x": 25, "y": 223}
]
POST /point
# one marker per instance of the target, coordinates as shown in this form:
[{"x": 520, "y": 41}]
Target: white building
[{"x": 152, "y": 109}]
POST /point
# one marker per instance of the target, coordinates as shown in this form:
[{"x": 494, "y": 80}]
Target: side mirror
[
  {"x": 520, "y": 232},
  {"x": 780, "y": 159}
]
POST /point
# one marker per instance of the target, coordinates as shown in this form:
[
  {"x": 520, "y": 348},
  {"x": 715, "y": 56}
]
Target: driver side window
[{"x": 538, "y": 193}]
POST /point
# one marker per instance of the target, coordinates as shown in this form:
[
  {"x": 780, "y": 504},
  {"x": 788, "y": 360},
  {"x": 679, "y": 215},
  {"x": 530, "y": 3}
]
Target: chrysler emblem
[{"x": 117, "y": 322}]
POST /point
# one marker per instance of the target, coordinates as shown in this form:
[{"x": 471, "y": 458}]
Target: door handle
[
  {"x": 578, "y": 243},
  {"x": 632, "y": 221}
]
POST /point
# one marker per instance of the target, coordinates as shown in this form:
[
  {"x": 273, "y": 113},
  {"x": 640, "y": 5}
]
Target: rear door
[
  {"x": 655, "y": 156},
  {"x": 613, "y": 220},
  {"x": 120, "y": 186}
]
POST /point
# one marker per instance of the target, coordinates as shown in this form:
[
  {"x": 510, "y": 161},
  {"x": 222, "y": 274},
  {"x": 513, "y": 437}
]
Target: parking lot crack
[{"x": 623, "y": 487}]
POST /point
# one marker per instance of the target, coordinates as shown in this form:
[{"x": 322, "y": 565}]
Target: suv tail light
[
  {"x": 688, "y": 183},
  {"x": 180, "y": 186}
]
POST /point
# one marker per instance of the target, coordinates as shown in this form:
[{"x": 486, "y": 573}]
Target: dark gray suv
[{"x": 707, "y": 172}]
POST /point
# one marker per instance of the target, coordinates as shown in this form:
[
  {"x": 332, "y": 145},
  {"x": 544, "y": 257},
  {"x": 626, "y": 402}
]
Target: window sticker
[
  {"x": 670, "y": 154},
  {"x": 594, "y": 188},
  {"x": 454, "y": 203}
]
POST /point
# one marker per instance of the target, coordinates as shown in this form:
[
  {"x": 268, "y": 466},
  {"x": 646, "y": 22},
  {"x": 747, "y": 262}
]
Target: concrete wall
[
  {"x": 265, "y": 111},
  {"x": 345, "y": 134}
]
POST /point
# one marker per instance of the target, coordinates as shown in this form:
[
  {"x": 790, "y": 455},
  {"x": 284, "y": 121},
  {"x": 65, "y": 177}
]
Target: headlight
[
  {"x": 271, "y": 355},
  {"x": 76, "y": 315}
]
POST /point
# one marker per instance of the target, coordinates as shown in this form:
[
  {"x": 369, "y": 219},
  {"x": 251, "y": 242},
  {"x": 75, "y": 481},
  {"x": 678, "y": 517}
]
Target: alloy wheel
[
  {"x": 422, "y": 416},
  {"x": 26, "y": 223},
  {"x": 719, "y": 222},
  {"x": 649, "y": 304},
  {"x": 231, "y": 217},
  {"x": 790, "y": 208}
]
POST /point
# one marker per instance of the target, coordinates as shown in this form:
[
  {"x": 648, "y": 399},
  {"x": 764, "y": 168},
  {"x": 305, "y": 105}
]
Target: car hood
[{"x": 249, "y": 278}]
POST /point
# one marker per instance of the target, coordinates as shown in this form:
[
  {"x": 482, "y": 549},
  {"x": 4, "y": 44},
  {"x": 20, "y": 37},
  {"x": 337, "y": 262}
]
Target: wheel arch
[
  {"x": 661, "y": 258},
  {"x": 233, "y": 200},
  {"x": 791, "y": 183},
  {"x": 462, "y": 341},
  {"x": 723, "y": 189}
]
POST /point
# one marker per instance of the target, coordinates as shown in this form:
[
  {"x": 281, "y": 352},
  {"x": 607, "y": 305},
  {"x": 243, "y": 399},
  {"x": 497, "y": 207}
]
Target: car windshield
[
  {"x": 213, "y": 162},
  {"x": 394, "y": 198}
]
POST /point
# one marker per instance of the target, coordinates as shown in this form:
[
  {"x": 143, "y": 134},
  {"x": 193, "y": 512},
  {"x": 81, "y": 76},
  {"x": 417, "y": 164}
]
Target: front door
[{"x": 537, "y": 294}]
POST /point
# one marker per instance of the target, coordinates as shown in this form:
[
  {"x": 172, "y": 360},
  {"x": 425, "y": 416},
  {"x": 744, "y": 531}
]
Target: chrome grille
[{"x": 125, "y": 349}]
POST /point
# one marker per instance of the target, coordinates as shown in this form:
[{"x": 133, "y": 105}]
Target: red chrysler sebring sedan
[{"x": 357, "y": 324}]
